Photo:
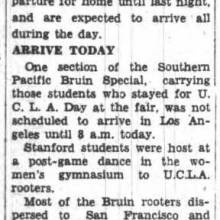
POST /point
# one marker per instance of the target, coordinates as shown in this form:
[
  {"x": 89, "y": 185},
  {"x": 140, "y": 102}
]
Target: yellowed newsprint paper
[{"x": 109, "y": 110}]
